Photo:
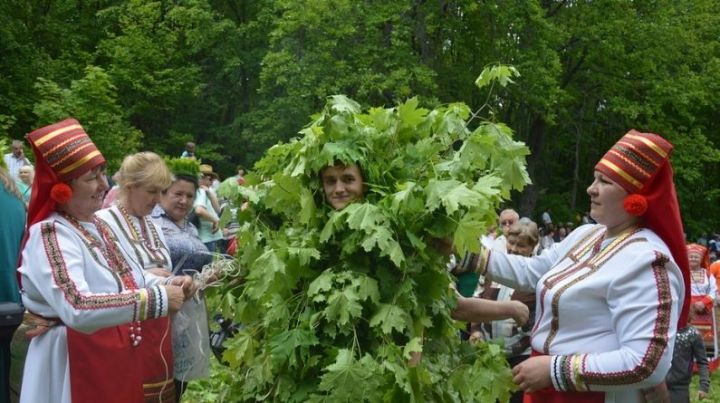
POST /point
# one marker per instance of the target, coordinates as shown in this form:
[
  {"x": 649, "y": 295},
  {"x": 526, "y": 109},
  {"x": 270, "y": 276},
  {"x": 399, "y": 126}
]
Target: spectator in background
[
  {"x": 24, "y": 183},
  {"x": 507, "y": 219},
  {"x": 546, "y": 219},
  {"x": 112, "y": 194},
  {"x": 547, "y": 238},
  {"x": 714, "y": 269},
  {"x": 207, "y": 209},
  {"x": 189, "y": 151},
  {"x": 702, "y": 283},
  {"x": 689, "y": 350},
  {"x": 15, "y": 159},
  {"x": 12, "y": 217},
  {"x": 240, "y": 177},
  {"x": 522, "y": 238}
]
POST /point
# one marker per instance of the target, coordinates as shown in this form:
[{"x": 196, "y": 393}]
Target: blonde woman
[{"x": 142, "y": 178}]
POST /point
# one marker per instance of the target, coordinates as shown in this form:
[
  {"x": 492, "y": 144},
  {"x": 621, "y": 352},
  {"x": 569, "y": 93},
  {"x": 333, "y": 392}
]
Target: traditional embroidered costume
[
  {"x": 144, "y": 246},
  {"x": 75, "y": 277},
  {"x": 608, "y": 308}
]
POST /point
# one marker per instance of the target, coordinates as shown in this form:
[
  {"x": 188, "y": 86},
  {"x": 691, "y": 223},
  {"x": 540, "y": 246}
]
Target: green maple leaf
[
  {"x": 322, "y": 284},
  {"x": 514, "y": 172},
  {"x": 348, "y": 379},
  {"x": 366, "y": 288},
  {"x": 334, "y": 222},
  {"x": 502, "y": 73},
  {"x": 488, "y": 185},
  {"x": 283, "y": 345},
  {"x": 285, "y": 194},
  {"x": 380, "y": 237},
  {"x": 390, "y": 317},
  {"x": 364, "y": 216},
  {"x": 380, "y": 118},
  {"x": 263, "y": 272},
  {"x": 343, "y": 305},
  {"x": 240, "y": 349},
  {"x": 468, "y": 232},
  {"x": 450, "y": 193},
  {"x": 409, "y": 114},
  {"x": 307, "y": 206},
  {"x": 343, "y": 104},
  {"x": 402, "y": 197},
  {"x": 304, "y": 255},
  {"x": 413, "y": 346}
]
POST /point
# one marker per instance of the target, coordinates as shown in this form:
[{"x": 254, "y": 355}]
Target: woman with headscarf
[
  {"x": 90, "y": 306},
  {"x": 702, "y": 283},
  {"x": 611, "y": 296},
  {"x": 189, "y": 255}
]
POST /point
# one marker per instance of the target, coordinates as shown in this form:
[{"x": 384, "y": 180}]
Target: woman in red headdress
[
  {"x": 702, "y": 283},
  {"x": 88, "y": 303},
  {"x": 610, "y": 296}
]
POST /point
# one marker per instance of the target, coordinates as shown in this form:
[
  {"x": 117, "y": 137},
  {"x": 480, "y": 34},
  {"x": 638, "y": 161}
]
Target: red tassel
[
  {"x": 635, "y": 204},
  {"x": 61, "y": 193}
]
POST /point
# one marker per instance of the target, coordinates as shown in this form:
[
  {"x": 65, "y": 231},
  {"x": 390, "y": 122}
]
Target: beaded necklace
[
  {"x": 151, "y": 243},
  {"x": 114, "y": 259}
]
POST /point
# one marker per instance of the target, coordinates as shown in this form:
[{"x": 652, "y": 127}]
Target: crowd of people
[{"x": 601, "y": 312}]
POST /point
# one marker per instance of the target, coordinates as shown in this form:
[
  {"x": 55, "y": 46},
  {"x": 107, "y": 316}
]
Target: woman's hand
[
  {"x": 176, "y": 297},
  {"x": 656, "y": 394},
  {"x": 702, "y": 395},
  {"x": 476, "y": 337},
  {"x": 184, "y": 282},
  {"x": 533, "y": 374},
  {"x": 699, "y": 307}
]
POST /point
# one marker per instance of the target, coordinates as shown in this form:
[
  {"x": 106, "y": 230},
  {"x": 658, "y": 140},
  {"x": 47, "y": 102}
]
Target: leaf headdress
[{"x": 184, "y": 166}]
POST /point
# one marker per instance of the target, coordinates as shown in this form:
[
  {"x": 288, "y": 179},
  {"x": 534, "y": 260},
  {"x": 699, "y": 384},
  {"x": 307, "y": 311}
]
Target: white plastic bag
[{"x": 191, "y": 347}]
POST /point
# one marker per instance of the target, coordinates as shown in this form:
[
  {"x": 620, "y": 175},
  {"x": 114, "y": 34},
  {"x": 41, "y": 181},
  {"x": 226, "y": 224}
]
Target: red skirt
[{"x": 106, "y": 367}]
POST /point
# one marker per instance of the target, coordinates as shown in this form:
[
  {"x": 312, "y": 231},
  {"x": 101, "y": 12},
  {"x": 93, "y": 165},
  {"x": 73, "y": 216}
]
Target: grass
[{"x": 714, "y": 395}]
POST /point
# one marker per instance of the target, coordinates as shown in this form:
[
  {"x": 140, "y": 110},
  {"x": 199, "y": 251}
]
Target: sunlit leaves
[{"x": 503, "y": 74}]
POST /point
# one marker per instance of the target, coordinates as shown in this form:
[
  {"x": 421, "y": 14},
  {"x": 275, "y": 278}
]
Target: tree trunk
[{"x": 536, "y": 143}]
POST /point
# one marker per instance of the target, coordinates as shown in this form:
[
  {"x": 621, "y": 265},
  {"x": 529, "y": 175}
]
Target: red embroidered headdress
[
  {"x": 63, "y": 151},
  {"x": 702, "y": 251},
  {"x": 640, "y": 164}
]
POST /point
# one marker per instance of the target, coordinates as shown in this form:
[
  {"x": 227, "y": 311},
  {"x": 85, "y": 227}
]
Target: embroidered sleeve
[
  {"x": 644, "y": 301},
  {"x": 84, "y": 295}
]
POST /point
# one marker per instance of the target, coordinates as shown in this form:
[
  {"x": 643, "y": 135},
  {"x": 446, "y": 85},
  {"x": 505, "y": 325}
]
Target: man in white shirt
[{"x": 16, "y": 159}]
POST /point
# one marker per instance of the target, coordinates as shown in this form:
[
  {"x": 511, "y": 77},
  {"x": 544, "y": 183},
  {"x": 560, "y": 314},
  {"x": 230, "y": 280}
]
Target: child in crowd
[{"x": 689, "y": 349}]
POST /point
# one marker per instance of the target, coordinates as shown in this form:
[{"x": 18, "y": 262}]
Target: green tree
[{"x": 93, "y": 101}]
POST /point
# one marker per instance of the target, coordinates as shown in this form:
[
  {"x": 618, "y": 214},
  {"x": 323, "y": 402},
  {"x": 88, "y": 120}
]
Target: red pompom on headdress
[
  {"x": 61, "y": 193},
  {"x": 635, "y": 204}
]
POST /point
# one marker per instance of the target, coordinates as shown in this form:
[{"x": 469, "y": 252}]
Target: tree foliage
[{"x": 237, "y": 77}]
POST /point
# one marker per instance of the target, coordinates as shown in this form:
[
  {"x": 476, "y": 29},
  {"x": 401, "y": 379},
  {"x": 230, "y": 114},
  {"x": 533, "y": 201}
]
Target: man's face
[
  {"x": 17, "y": 150},
  {"x": 507, "y": 219}
]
